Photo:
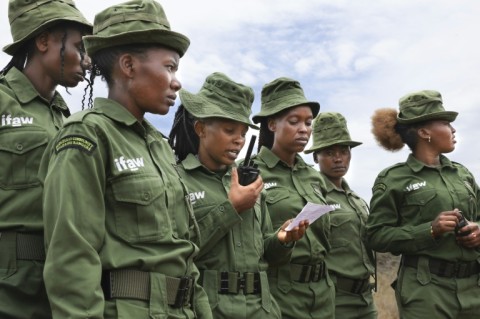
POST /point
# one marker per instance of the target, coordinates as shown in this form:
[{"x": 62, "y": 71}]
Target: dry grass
[{"x": 387, "y": 266}]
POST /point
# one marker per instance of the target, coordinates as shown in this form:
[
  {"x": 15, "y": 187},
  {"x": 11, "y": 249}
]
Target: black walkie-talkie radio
[{"x": 248, "y": 171}]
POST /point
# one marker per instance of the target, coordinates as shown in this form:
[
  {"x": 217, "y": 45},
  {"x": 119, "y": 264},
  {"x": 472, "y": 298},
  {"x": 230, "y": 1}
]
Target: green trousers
[
  {"x": 421, "y": 294},
  {"x": 354, "y": 306},
  {"x": 314, "y": 299},
  {"x": 22, "y": 291}
]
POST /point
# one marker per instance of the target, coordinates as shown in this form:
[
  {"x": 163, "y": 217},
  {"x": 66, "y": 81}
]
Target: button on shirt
[
  {"x": 408, "y": 196},
  {"x": 27, "y": 123},
  {"x": 348, "y": 256},
  {"x": 288, "y": 190},
  {"x": 113, "y": 200},
  {"x": 231, "y": 241}
]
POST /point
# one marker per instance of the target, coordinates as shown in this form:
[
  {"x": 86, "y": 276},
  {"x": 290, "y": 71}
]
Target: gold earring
[{"x": 429, "y": 139}]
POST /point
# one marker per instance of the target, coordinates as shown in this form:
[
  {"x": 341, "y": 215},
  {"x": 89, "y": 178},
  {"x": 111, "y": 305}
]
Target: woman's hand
[
  {"x": 471, "y": 240},
  {"x": 445, "y": 222},
  {"x": 292, "y": 235},
  {"x": 244, "y": 197}
]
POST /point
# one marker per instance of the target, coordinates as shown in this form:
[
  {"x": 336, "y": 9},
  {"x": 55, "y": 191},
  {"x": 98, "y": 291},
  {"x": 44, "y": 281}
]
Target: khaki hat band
[
  {"x": 130, "y": 16},
  {"x": 36, "y": 4},
  {"x": 219, "y": 91}
]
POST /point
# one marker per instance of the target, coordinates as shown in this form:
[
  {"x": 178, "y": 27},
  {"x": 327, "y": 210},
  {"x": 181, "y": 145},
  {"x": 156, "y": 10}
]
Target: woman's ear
[
  {"x": 272, "y": 124},
  {"x": 126, "y": 64},
  {"x": 199, "y": 128},
  {"x": 424, "y": 133},
  {"x": 41, "y": 41}
]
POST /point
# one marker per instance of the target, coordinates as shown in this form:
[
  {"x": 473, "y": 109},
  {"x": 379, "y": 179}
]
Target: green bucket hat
[
  {"x": 220, "y": 97},
  {"x": 281, "y": 94},
  {"x": 134, "y": 22},
  {"x": 29, "y": 17},
  {"x": 423, "y": 106},
  {"x": 330, "y": 128}
]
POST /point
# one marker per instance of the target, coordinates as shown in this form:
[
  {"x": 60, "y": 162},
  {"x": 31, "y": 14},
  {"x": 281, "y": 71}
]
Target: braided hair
[{"x": 182, "y": 137}]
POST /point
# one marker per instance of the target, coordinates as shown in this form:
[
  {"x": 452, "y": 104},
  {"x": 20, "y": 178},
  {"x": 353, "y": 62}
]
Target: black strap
[
  {"x": 444, "y": 268},
  {"x": 354, "y": 286},
  {"x": 29, "y": 246},
  {"x": 235, "y": 282},
  {"x": 308, "y": 273}
]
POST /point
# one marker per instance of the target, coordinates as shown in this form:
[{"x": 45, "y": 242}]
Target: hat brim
[
  {"x": 444, "y": 115},
  {"x": 315, "y": 148},
  {"x": 174, "y": 40},
  {"x": 315, "y": 106},
  {"x": 12, "y": 48},
  {"x": 195, "y": 104}
]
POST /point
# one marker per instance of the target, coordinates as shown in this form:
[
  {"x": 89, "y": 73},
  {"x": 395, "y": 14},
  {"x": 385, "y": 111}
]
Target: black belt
[
  {"x": 135, "y": 284},
  {"x": 308, "y": 273},
  {"x": 354, "y": 286},
  {"x": 234, "y": 282},
  {"x": 443, "y": 268},
  {"x": 29, "y": 246}
]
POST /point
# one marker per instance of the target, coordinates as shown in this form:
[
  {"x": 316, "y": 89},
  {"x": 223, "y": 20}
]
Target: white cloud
[{"x": 351, "y": 56}]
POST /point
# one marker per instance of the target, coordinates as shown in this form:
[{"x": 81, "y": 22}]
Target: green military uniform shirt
[
  {"x": 27, "y": 123},
  {"x": 348, "y": 255},
  {"x": 288, "y": 190},
  {"x": 113, "y": 200},
  {"x": 232, "y": 242},
  {"x": 349, "y": 261},
  {"x": 406, "y": 199}
]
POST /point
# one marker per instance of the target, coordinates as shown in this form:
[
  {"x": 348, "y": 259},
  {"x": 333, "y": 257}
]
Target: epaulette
[
  {"x": 385, "y": 171},
  {"x": 78, "y": 117}
]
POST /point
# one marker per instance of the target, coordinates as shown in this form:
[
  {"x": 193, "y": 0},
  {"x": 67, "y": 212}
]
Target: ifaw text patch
[{"x": 75, "y": 141}]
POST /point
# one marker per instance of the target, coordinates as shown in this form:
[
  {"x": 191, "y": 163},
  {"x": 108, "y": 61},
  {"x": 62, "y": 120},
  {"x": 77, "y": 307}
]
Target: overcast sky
[{"x": 351, "y": 56}]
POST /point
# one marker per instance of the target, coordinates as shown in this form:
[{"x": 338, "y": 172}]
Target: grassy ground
[{"x": 387, "y": 266}]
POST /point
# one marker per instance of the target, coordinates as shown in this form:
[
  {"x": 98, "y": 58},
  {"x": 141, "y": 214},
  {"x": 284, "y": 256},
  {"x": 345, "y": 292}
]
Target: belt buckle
[{"x": 183, "y": 293}]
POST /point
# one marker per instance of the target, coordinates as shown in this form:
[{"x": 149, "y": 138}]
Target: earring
[{"x": 429, "y": 139}]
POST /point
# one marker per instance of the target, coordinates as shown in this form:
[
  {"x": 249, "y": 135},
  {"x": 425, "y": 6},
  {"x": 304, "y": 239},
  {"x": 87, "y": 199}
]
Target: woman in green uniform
[
  {"x": 47, "y": 51},
  {"x": 417, "y": 210},
  {"x": 302, "y": 287},
  {"x": 238, "y": 242},
  {"x": 350, "y": 262},
  {"x": 117, "y": 218}
]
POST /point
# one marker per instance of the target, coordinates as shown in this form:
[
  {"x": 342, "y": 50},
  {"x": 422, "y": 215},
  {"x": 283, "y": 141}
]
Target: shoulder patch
[{"x": 78, "y": 142}]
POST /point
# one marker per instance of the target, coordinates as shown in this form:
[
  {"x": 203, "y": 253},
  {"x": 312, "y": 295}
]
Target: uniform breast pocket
[
  {"x": 341, "y": 229},
  {"x": 416, "y": 202},
  {"x": 140, "y": 208},
  {"x": 21, "y": 150},
  {"x": 279, "y": 207}
]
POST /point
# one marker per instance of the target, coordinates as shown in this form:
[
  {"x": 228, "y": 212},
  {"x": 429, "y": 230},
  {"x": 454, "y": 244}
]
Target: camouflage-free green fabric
[
  {"x": 134, "y": 22},
  {"x": 330, "y": 128},
  {"x": 349, "y": 255},
  {"x": 423, "y": 106},
  {"x": 232, "y": 242},
  {"x": 281, "y": 94},
  {"x": 28, "y": 18},
  {"x": 113, "y": 200},
  {"x": 288, "y": 190},
  {"x": 220, "y": 97},
  {"x": 406, "y": 198},
  {"x": 27, "y": 123}
]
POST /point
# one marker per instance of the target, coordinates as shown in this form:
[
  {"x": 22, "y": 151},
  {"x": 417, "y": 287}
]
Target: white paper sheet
[{"x": 310, "y": 212}]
